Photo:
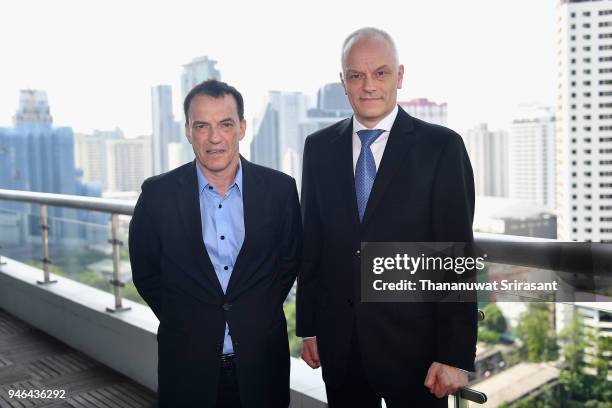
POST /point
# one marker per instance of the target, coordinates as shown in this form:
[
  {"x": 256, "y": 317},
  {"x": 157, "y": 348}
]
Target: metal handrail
[{"x": 112, "y": 206}]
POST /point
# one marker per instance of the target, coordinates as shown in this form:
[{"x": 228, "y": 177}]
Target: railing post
[
  {"x": 44, "y": 228},
  {"x": 116, "y": 282}
]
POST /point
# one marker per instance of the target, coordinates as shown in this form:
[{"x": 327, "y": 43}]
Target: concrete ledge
[{"x": 76, "y": 314}]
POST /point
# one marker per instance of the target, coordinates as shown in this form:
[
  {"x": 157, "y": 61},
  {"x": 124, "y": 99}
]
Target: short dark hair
[{"x": 214, "y": 89}]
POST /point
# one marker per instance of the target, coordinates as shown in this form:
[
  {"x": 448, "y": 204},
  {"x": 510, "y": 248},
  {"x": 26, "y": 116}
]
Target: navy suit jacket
[
  {"x": 173, "y": 273},
  {"x": 423, "y": 192}
]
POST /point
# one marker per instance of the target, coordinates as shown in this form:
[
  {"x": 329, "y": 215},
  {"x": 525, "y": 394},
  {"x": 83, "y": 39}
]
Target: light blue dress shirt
[{"x": 223, "y": 231}]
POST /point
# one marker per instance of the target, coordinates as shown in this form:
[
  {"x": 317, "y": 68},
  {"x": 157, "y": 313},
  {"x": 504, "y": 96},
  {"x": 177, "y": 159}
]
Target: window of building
[
  {"x": 586, "y": 13},
  {"x": 605, "y": 82},
  {"x": 586, "y": 48},
  {"x": 587, "y": 162},
  {"x": 605, "y": 162},
  {"x": 587, "y": 129},
  {"x": 586, "y": 37},
  {"x": 604, "y": 59},
  {"x": 604, "y": 24},
  {"x": 605, "y": 47},
  {"x": 605, "y": 139},
  {"x": 587, "y": 140},
  {"x": 588, "y": 60},
  {"x": 605, "y": 70},
  {"x": 605, "y": 35},
  {"x": 604, "y": 12},
  {"x": 586, "y": 94},
  {"x": 605, "y": 116},
  {"x": 605, "y": 93}
]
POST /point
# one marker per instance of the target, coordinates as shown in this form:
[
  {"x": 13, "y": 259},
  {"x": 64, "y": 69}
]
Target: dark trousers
[
  {"x": 356, "y": 391},
  {"x": 227, "y": 391}
]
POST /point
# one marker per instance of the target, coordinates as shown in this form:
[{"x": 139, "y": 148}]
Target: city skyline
[{"x": 98, "y": 65}]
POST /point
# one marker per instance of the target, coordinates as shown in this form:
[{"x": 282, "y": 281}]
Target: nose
[
  {"x": 214, "y": 136},
  {"x": 368, "y": 84}
]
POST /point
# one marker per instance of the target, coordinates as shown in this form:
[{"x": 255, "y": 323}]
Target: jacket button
[
  {"x": 227, "y": 306},
  {"x": 358, "y": 253}
]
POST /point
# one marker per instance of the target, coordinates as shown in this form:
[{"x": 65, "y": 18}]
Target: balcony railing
[{"x": 503, "y": 249}]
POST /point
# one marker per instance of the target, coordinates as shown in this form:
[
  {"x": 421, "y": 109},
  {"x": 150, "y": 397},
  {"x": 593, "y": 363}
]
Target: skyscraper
[
  {"x": 532, "y": 156},
  {"x": 488, "y": 153},
  {"x": 198, "y": 70},
  {"x": 129, "y": 163},
  {"x": 164, "y": 127},
  {"x": 424, "y": 109},
  {"x": 36, "y": 156},
  {"x": 584, "y": 120},
  {"x": 90, "y": 155},
  {"x": 278, "y": 142}
]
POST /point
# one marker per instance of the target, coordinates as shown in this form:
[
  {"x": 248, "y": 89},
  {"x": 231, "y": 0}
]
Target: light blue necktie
[{"x": 365, "y": 171}]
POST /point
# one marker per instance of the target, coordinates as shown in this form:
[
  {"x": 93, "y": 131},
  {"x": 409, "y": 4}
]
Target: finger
[
  {"x": 314, "y": 350},
  {"x": 430, "y": 379}
]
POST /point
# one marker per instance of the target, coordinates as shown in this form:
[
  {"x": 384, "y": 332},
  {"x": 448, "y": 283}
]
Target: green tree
[
  {"x": 574, "y": 341},
  {"x": 494, "y": 319},
  {"x": 535, "y": 331},
  {"x": 295, "y": 343}
]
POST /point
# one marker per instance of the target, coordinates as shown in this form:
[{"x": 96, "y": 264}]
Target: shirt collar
[
  {"x": 203, "y": 181},
  {"x": 385, "y": 124}
]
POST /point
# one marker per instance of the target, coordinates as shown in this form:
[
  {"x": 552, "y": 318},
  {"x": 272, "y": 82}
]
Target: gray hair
[{"x": 367, "y": 33}]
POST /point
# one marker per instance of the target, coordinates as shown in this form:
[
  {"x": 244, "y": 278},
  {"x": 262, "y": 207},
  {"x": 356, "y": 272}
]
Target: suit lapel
[
  {"x": 342, "y": 148},
  {"x": 189, "y": 211},
  {"x": 253, "y": 195},
  {"x": 399, "y": 143}
]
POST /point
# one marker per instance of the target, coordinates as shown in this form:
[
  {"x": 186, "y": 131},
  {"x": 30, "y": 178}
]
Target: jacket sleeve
[
  {"x": 308, "y": 273},
  {"x": 453, "y": 213},
  {"x": 290, "y": 250},
  {"x": 145, "y": 253}
]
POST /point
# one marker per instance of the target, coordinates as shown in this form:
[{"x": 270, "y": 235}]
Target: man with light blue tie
[
  {"x": 381, "y": 176},
  {"x": 215, "y": 246}
]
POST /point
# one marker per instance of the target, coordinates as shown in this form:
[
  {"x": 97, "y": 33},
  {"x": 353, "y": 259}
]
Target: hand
[
  {"x": 310, "y": 352},
  {"x": 443, "y": 379}
]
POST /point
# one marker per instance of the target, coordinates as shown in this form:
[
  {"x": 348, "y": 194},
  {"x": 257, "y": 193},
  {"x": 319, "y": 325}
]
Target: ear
[
  {"x": 243, "y": 126},
  {"x": 343, "y": 84},
  {"x": 400, "y": 76},
  {"x": 188, "y": 132}
]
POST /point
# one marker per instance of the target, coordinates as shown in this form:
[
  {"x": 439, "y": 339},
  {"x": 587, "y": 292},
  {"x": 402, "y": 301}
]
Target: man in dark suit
[
  {"x": 381, "y": 176},
  {"x": 215, "y": 245}
]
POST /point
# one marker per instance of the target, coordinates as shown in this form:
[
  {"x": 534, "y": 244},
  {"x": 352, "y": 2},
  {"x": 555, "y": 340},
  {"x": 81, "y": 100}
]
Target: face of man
[
  {"x": 214, "y": 131},
  {"x": 371, "y": 80}
]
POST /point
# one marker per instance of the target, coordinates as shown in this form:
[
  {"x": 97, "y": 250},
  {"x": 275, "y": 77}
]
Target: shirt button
[
  {"x": 210, "y": 187},
  {"x": 226, "y": 267},
  {"x": 220, "y": 206},
  {"x": 222, "y": 237}
]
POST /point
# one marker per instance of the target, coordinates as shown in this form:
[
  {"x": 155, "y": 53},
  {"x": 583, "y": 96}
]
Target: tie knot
[{"x": 368, "y": 136}]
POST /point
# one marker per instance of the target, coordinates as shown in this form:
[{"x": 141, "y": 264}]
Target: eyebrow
[
  {"x": 351, "y": 70},
  {"x": 203, "y": 122}
]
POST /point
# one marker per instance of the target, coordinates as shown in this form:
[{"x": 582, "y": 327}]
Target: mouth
[{"x": 215, "y": 151}]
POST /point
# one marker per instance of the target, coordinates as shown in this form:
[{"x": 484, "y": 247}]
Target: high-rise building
[
  {"x": 424, "y": 109},
  {"x": 198, "y": 70},
  {"x": 129, "y": 163},
  {"x": 532, "y": 156},
  {"x": 37, "y": 156},
  {"x": 90, "y": 155},
  {"x": 278, "y": 142},
  {"x": 164, "y": 127},
  {"x": 488, "y": 151},
  {"x": 584, "y": 120}
]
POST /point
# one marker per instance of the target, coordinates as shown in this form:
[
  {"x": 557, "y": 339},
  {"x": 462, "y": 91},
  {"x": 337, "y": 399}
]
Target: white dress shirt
[{"x": 378, "y": 147}]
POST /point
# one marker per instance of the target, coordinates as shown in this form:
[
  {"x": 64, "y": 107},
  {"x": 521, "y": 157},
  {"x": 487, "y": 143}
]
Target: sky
[{"x": 98, "y": 60}]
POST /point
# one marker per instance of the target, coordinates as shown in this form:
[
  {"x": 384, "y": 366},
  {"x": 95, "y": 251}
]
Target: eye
[
  {"x": 227, "y": 125},
  {"x": 200, "y": 126},
  {"x": 379, "y": 74},
  {"x": 354, "y": 76}
]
